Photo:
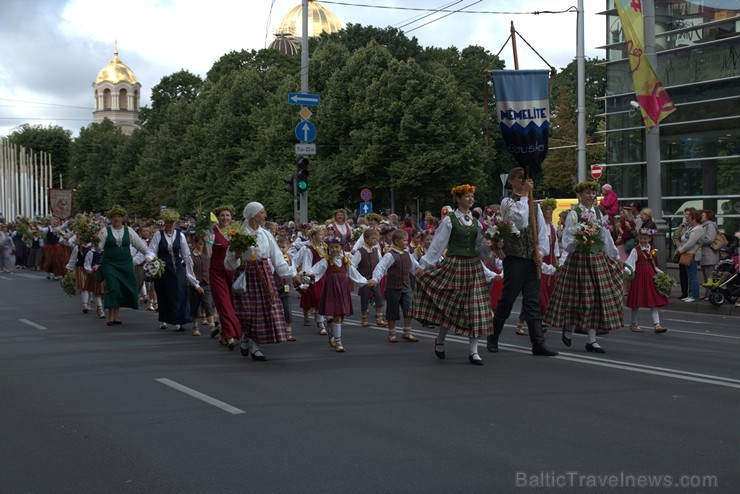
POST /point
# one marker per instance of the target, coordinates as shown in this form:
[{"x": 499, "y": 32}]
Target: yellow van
[{"x": 566, "y": 205}]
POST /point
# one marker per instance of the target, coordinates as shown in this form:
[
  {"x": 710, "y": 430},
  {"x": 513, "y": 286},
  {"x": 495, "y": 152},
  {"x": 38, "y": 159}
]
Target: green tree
[
  {"x": 52, "y": 139},
  {"x": 180, "y": 86}
]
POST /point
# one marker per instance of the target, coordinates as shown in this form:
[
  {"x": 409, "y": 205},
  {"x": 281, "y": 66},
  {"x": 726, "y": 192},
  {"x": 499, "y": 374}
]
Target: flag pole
[{"x": 532, "y": 215}]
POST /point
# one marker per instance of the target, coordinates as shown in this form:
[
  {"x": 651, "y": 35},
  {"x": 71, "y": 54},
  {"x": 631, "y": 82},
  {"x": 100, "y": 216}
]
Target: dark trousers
[
  {"x": 520, "y": 276},
  {"x": 684, "y": 276}
]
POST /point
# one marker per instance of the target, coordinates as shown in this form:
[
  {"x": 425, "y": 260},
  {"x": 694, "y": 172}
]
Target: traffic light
[
  {"x": 301, "y": 175},
  {"x": 290, "y": 185}
]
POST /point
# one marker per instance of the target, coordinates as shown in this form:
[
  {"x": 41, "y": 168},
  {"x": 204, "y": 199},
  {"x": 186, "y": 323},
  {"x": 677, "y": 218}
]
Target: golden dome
[
  {"x": 285, "y": 45},
  {"x": 115, "y": 72},
  {"x": 320, "y": 19}
]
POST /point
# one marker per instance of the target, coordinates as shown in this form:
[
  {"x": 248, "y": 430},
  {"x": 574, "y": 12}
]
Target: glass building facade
[{"x": 698, "y": 51}]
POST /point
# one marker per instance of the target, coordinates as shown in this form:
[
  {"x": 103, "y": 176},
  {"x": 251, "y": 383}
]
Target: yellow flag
[{"x": 655, "y": 104}]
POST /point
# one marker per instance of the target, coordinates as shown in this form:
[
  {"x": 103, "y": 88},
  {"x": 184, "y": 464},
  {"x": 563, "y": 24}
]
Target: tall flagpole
[{"x": 581, "y": 94}]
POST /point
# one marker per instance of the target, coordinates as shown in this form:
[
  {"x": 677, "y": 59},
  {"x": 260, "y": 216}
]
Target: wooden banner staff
[{"x": 532, "y": 214}]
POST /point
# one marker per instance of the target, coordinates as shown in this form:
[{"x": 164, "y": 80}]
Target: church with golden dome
[
  {"x": 289, "y": 32},
  {"x": 117, "y": 95}
]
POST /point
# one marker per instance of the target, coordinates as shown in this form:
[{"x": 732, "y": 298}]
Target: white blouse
[
  {"x": 442, "y": 238},
  {"x": 266, "y": 248},
  {"x": 319, "y": 270},
  {"x": 134, "y": 239},
  {"x": 571, "y": 223}
]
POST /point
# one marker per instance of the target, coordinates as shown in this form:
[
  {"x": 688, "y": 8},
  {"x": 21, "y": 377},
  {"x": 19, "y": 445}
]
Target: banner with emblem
[
  {"x": 655, "y": 104},
  {"x": 60, "y": 202},
  {"x": 523, "y": 109}
]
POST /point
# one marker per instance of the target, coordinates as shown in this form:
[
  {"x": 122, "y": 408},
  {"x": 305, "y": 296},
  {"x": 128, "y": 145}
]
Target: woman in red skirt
[
  {"x": 642, "y": 287},
  {"x": 221, "y": 280},
  {"x": 259, "y": 310},
  {"x": 309, "y": 255}
]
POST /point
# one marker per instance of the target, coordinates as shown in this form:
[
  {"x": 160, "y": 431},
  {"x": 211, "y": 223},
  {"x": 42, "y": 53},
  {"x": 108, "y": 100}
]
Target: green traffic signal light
[{"x": 302, "y": 174}]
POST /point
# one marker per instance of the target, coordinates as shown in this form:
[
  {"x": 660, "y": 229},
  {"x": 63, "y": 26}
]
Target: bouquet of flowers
[
  {"x": 588, "y": 234},
  {"x": 86, "y": 227},
  {"x": 357, "y": 233},
  {"x": 664, "y": 283},
  {"x": 154, "y": 269},
  {"x": 69, "y": 284},
  {"x": 497, "y": 228},
  {"x": 240, "y": 241},
  {"x": 307, "y": 279}
]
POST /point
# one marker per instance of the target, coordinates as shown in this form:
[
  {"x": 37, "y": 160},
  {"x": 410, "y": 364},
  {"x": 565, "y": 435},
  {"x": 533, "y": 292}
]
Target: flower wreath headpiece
[
  {"x": 463, "y": 189},
  {"x": 647, "y": 231},
  {"x": 116, "y": 210},
  {"x": 169, "y": 214},
  {"x": 224, "y": 207},
  {"x": 548, "y": 204},
  {"x": 580, "y": 187}
]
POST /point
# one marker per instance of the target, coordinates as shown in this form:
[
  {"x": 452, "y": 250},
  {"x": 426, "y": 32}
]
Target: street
[{"x": 87, "y": 408}]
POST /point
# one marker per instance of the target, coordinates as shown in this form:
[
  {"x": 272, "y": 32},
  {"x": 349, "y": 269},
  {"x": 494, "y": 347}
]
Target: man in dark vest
[{"x": 520, "y": 265}]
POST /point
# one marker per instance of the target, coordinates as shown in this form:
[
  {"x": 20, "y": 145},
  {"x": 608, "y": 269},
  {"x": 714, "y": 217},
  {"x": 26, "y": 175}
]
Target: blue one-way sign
[
  {"x": 305, "y": 131},
  {"x": 366, "y": 207},
  {"x": 304, "y": 99}
]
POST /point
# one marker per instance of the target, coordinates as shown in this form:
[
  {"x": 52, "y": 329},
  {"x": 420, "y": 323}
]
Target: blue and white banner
[{"x": 523, "y": 109}]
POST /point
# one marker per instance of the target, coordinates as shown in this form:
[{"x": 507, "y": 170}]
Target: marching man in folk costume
[{"x": 521, "y": 264}]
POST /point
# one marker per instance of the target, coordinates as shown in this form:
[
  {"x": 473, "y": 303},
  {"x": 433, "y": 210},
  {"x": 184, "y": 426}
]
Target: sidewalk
[{"x": 700, "y": 306}]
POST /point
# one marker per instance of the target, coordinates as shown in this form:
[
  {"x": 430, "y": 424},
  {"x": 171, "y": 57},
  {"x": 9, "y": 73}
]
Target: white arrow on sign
[
  {"x": 306, "y": 129},
  {"x": 307, "y": 99}
]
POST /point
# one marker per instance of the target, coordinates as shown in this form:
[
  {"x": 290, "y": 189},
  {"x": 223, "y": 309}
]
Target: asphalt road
[{"x": 87, "y": 408}]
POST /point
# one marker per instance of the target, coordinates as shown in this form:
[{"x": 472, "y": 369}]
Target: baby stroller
[{"x": 729, "y": 291}]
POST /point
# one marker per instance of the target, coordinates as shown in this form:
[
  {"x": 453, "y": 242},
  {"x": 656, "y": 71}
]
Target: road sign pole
[{"x": 304, "y": 89}]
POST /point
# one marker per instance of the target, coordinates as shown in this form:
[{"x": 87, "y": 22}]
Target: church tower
[
  {"x": 288, "y": 34},
  {"x": 117, "y": 95}
]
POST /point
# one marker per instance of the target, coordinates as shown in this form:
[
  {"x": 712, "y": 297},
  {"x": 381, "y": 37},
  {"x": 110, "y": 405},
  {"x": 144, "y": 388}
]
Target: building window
[
  {"x": 123, "y": 99},
  {"x": 106, "y": 99}
]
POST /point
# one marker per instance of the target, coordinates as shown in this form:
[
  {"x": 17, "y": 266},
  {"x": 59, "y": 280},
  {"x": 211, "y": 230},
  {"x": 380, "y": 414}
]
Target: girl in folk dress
[
  {"x": 309, "y": 255},
  {"x": 336, "y": 270},
  {"x": 77, "y": 264},
  {"x": 95, "y": 287},
  {"x": 259, "y": 310},
  {"x": 642, "y": 288},
  {"x": 453, "y": 293},
  {"x": 341, "y": 228},
  {"x": 588, "y": 290}
]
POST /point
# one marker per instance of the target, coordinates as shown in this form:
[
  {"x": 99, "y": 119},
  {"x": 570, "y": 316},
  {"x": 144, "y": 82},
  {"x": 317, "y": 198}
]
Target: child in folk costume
[
  {"x": 336, "y": 271},
  {"x": 373, "y": 223},
  {"x": 76, "y": 264},
  {"x": 642, "y": 291},
  {"x": 200, "y": 264},
  {"x": 310, "y": 255},
  {"x": 54, "y": 253},
  {"x": 365, "y": 259},
  {"x": 95, "y": 287},
  {"x": 284, "y": 286},
  {"x": 399, "y": 265}
]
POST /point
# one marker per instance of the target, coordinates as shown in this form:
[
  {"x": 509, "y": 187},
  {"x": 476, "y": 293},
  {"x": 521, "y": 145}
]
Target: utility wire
[
  {"x": 419, "y": 17},
  {"x": 440, "y": 18},
  {"x": 418, "y": 9},
  {"x": 45, "y": 104}
]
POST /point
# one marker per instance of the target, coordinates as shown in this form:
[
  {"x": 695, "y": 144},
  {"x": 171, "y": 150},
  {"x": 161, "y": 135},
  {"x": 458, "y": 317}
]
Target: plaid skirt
[
  {"x": 454, "y": 294},
  {"x": 259, "y": 310},
  {"x": 587, "y": 294}
]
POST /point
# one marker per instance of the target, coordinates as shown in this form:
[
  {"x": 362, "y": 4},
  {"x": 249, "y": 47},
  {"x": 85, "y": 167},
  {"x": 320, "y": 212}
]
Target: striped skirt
[
  {"x": 81, "y": 279},
  {"x": 587, "y": 294},
  {"x": 454, "y": 294},
  {"x": 259, "y": 309}
]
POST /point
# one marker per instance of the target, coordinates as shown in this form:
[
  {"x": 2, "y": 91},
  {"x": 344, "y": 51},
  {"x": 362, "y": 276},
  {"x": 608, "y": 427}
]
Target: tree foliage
[
  {"x": 52, "y": 139},
  {"x": 405, "y": 121}
]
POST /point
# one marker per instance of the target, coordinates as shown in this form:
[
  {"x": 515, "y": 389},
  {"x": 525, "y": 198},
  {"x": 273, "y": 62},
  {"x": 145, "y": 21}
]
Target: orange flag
[{"x": 655, "y": 104}]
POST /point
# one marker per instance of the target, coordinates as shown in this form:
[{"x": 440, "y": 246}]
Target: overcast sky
[{"x": 52, "y": 50}]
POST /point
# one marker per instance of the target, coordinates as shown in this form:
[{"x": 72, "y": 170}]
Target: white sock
[
  {"x": 592, "y": 337},
  {"x": 99, "y": 301},
  {"x": 255, "y": 348},
  {"x": 441, "y": 335},
  {"x": 85, "y": 295},
  {"x": 568, "y": 331},
  {"x": 656, "y": 315},
  {"x": 473, "y": 341},
  {"x": 337, "y": 331},
  {"x": 633, "y": 319}
]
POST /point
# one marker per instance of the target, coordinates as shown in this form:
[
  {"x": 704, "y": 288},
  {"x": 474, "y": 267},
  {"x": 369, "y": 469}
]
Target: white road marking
[
  {"x": 23, "y": 275},
  {"x": 200, "y": 396},
  {"x": 32, "y": 324},
  {"x": 6, "y": 278},
  {"x": 684, "y": 321}
]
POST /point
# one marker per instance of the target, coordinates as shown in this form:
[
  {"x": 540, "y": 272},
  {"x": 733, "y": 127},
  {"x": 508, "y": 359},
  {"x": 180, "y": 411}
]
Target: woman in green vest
[
  {"x": 453, "y": 293},
  {"x": 115, "y": 242}
]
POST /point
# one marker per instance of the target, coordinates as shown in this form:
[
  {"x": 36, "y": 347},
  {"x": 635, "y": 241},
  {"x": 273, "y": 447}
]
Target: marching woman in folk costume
[
  {"x": 55, "y": 255},
  {"x": 341, "y": 228},
  {"x": 453, "y": 293},
  {"x": 309, "y": 255},
  {"x": 117, "y": 265},
  {"x": 258, "y": 309},
  {"x": 171, "y": 246},
  {"x": 222, "y": 279},
  {"x": 588, "y": 290}
]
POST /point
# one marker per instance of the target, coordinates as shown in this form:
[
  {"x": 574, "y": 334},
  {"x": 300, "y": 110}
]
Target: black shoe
[
  {"x": 492, "y": 343},
  {"x": 259, "y": 358},
  {"x": 595, "y": 349},
  {"x": 244, "y": 351},
  {"x": 109, "y": 323},
  {"x": 179, "y": 328},
  {"x": 475, "y": 361},
  {"x": 566, "y": 341},
  {"x": 543, "y": 350},
  {"x": 117, "y": 322},
  {"x": 440, "y": 355},
  {"x": 214, "y": 332}
]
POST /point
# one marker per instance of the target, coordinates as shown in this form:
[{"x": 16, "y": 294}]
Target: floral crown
[
  {"x": 647, "y": 231},
  {"x": 387, "y": 229},
  {"x": 224, "y": 207},
  {"x": 580, "y": 187},
  {"x": 549, "y": 204},
  {"x": 374, "y": 217},
  {"x": 314, "y": 230},
  {"x": 335, "y": 240},
  {"x": 341, "y": 210},
  {"x": 463, "y": 189},
  {"x": 116, "y": 210},
  {"x": 169, "y": 214}
]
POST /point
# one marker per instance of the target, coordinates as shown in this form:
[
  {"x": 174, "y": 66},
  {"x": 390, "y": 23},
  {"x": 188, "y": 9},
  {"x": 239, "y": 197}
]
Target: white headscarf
[{"x": 251, "y": 210}]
